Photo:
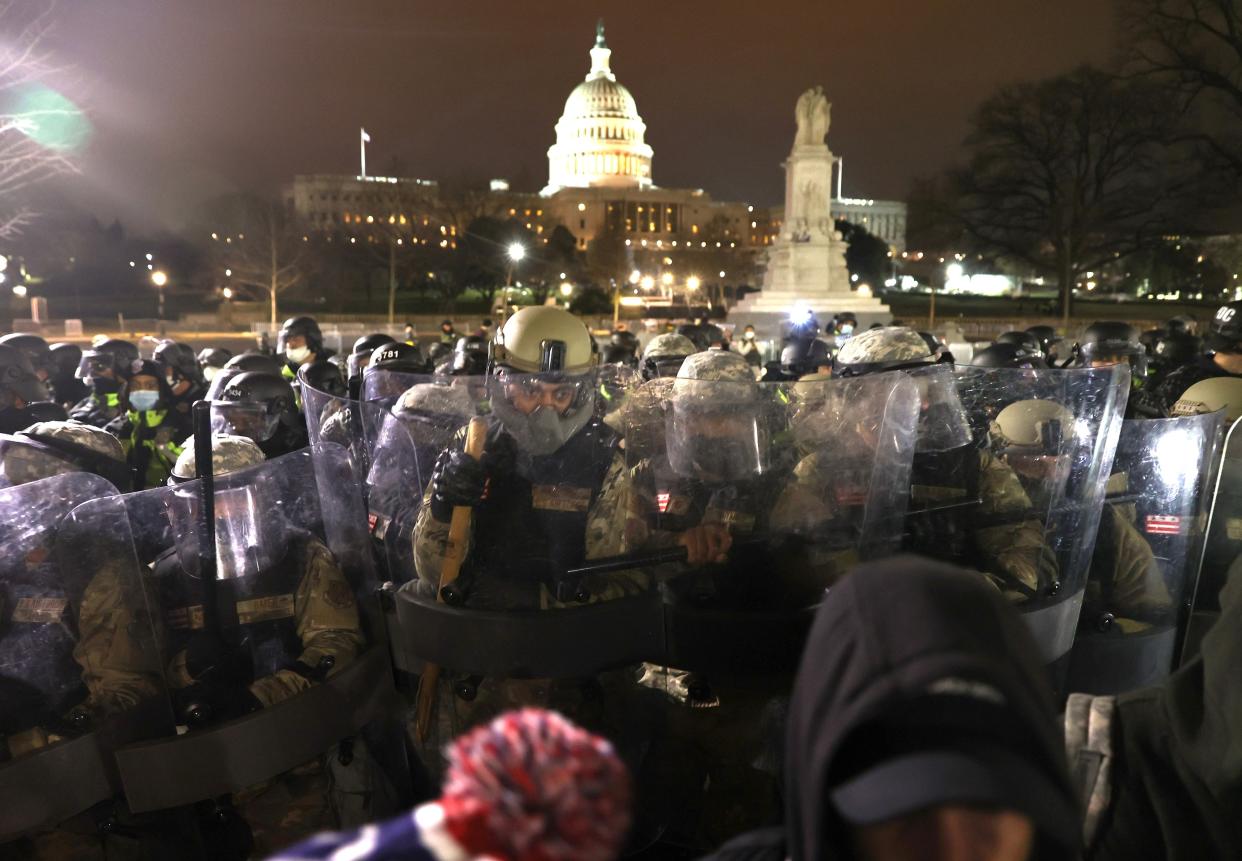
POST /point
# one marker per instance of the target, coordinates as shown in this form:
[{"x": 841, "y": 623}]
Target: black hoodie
[{"x": 887, "y": 636}]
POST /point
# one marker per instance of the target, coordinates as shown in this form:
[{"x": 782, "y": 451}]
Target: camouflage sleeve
[
  {"x": 1015, "y": 549},
  {"x": 1138, "y": 587},
  {"x": 119, "y": 660},
  {"x": 606, "y": 534},
  {"x": 430, "y": 538},
  {"x": 803, "y": 505},
  {"x": 328, "y": 626}
]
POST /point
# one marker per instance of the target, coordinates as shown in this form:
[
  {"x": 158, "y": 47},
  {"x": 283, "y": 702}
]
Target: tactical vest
[
  {"x": 257, "y": 612},
  {"x": 93, "y": 410},
  {"x": 526, "y": 531},
  {"x": 39, "y": 678}
]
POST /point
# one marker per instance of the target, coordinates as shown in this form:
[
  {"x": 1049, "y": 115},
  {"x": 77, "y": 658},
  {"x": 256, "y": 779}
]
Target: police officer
[
  {"x": 45, "y": 449},
  {"x": 1108, "y": 343},
  {"x": 469, "y": 357},
  {"x": 448, "y": 335},
  {"x": 1027, "y": 340},
  {"x": 300, "y": 341},
  {"x": 1048, "y": 340},
  {"x": 288, "y": 620},
  {"x": 20, "y": 388},
  {"x": 149, "y": 428},
  {"x": 105, "y": 369},
  {"x": 267, "y": 412},
  {"x": 1222, "y": 359},
  {"x": 182, "y": 375},
  {"x": 621, "y": 349},
  {"x": 387, "y": 375},
  {"x": 1172, "y": 350},
  {"x": 211, "y": 360},
  {"x": 67, "y": 389},
  {"x": 364, "y": 347},
  {"x": 36, "y": 351},
  {"x": 966, "y": 506},
  {"x": 664, "y": 354},
  {"x": 1008, "y": 355}
]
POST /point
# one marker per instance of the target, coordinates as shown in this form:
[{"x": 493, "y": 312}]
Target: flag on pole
[
  {"x": 366, "y": 138},
  {"x": 362, "y": 146}
]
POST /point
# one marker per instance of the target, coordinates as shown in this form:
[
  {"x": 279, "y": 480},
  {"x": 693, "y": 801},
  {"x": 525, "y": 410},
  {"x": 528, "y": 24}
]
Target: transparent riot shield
[
  {"x": 1222, "y": 547},
  {"x": 1146, "y": 556},
  {"x": 330, "y": 418},
  {"x": 1021, "y": 502},
  {"x": 404, "y": 441},
  {"x": 273, "y": 651},
  {"x": 78, "y": 677}
]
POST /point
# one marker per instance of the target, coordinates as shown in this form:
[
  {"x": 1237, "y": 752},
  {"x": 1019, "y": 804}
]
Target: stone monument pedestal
[{"x": 806, "y": 265}]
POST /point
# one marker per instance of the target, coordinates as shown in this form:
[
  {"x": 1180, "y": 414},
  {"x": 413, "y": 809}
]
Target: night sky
[{"x": 192, "y": 98}]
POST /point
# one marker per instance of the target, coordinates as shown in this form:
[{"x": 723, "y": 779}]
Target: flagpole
[{"x": 363, "y": 137}]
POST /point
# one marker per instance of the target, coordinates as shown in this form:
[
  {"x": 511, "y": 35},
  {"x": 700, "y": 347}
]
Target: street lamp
[
  {"x": 159, "y": 278},
  {"x": 647, "y": 282},
  {"x": 567, "y": 289},
  {"x": 516, "y": 251},
  {"x": 692, "y": 283},
  {"x": 667, "y": 279}
]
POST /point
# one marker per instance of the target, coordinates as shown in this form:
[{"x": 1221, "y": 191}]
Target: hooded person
[{"x": 921, "y": 726}]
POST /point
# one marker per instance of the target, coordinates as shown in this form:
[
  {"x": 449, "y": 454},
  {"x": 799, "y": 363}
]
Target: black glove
[{"x": 458, "y": 479}]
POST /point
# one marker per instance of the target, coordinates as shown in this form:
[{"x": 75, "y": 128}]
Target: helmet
[
  {"x": 323, "y": 376},
  {"x": 844, "y": 323},
  {"x": 625, "y": 339},
  {"x": 1210, "y": 395},
  {"x": 1046, "y": 335},
  {"x": 1008, "y": 356},
  {"x": 254, "y": 362},
  {"x": 1022, "y": 339},
  {"x": 438, "y": 352},
  {"x": 1032, "y": 424},
  {"x": 396, "y": 356},
  {"x": 664, "y": 354},
  {"x": 431, "y": 411},
  {"x": 1176, "y": 348},
  {"x": 304, "y": 326},
  {"x": 18, "y": 381},
  {"x": 716, "y": 430},
  {"x": 34, "y": 347},
  {"x": 364, "y": 347},
  {"x": 805, "y": 356},
  {"x": 1111, "y": 342},
  {"x": 179, "y": 358},
  {"x": 113, "y": 354},
  {"x": 470, "y": 356},
  {"x": 616, "y": 354},
  {"x": 543, "y": 339},
  {"x": 53, "y": 448},
  {"x": 1179, "y": 324},
  {"x": 270, "y": 393},
  {"x": 229, "y": 453},
  {"x": 211, "y": 360},
  {"x": 1226, "y": 332},
  {"x": 65, "y": 357},
  {"x": 885, "y": 349}
]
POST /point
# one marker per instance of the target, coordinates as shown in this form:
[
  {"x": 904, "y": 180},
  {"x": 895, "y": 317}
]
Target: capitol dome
[{"x": 599, "y": 138}]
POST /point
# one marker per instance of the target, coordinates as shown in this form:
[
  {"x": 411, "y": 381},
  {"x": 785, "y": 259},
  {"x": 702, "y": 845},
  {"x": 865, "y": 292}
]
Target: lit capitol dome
[{"x": 599, "y": 138}]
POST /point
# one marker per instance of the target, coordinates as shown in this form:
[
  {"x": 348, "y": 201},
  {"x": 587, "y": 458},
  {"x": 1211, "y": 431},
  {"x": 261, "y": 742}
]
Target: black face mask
[{"x": 104, "y": 385}]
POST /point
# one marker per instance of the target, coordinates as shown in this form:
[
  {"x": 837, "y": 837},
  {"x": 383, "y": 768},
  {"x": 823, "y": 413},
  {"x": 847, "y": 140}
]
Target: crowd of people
[{"x": 536, "y": 593}]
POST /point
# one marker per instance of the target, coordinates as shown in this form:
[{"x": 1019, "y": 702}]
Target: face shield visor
[
  {"x": 1105, "y": 354},
  {"x": 542, "y": 412},
  {"x": 1043, "y": 466},
  {"x": 717, "y": 432},
  {"x": 253, "y": 421},
  {"x": 943, "y": 422},
  {"x": 245, "y": 535}
]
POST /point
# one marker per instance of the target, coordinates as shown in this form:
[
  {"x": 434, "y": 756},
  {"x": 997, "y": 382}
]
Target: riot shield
[
  {"x": 1022, "y": 501},
  {"x": 329, "y": 418},
  {"x": 77, "y": 672},
  {"x": 1222, "y": 548},
  {"x": 1146, "y": 555},
  {"x": 278, "y": 656},
  {"x": 403, "y": 443}
]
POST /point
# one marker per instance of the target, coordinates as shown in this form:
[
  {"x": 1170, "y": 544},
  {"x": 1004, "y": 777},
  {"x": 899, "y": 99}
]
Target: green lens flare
[{"x": 49, "y": 118}]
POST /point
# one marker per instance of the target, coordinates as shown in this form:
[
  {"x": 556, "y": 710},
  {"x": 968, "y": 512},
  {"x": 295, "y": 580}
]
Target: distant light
[
  {"x": 4, "y": 263},
  {"x": 854, "y": 278},
  {"x": 692, "y": 283},
  {"x": 954, "y": 271},
  {"x": 563, "y": 276},
  {"x": 582, "y": 207},
  {"x": 19, "y": 289},
  {"x": 517, "y": 251},
  {"x": 637, "y": 276},
  {"x": 667, "y": 279},
  {"x": 149, "y": 257},
  {"x": 227, "y": 292},
  {"x": 722, "y": 273},
  {"x": 370, "y": 219},
  {"x": 801, "y": 315},
  {"x": 567, "y": 289},
  {"x": 159, "y": 278},
  {"x": 864, "y": 290},
  {"x": 131, "y": 264},
  {"x": 228, "y": 273},
  {"x": 648, "y": 282},
  {"x": 215, "y": 235},
  {"x": 632, "y": 301}
]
